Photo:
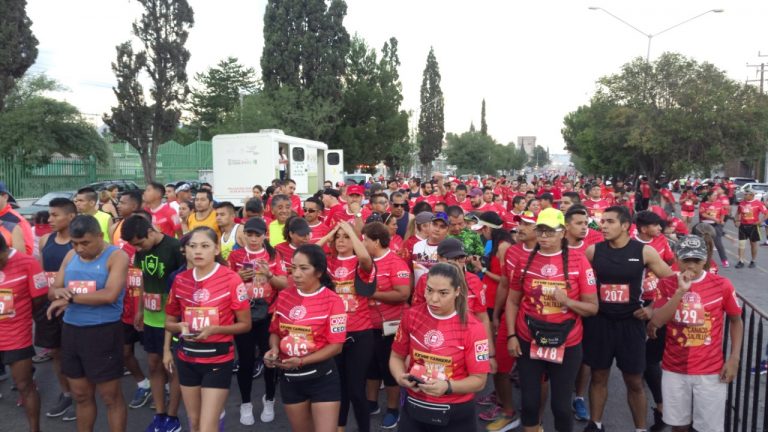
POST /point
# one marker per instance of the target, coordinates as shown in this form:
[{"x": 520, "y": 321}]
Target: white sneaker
[
  {"x": 246, "y": 414},
  {"x": 268, "y": 413}
]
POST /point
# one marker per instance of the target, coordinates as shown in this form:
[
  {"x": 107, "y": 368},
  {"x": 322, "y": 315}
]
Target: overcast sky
[{"x": 532, "y": 61}]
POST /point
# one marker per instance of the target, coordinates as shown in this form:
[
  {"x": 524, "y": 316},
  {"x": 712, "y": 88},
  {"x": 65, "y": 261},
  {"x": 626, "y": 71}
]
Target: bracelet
[
  {"x": 449, "y": 390},
  {"x": 511, "y": 336}
]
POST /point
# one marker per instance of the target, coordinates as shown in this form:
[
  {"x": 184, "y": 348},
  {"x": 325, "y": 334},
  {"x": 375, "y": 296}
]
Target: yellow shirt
[
  {"x": 276, "y": 232},
  {"x": 209, "y": 221},
  {"x": 105, "y": 219}
]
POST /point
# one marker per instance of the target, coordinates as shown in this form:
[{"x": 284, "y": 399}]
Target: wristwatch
[
  {"x": 359, "y": 214},
  {"x": 449, "y": 390}
]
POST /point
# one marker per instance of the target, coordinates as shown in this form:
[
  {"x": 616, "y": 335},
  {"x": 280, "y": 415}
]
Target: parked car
[
  {"x": 122, "y": 185},
  {"x": 356, "y": 178},
  {"x": 41, "y": 203},
  {"x": 741, "y": 181},
  {"x": 761, "y": 189}
]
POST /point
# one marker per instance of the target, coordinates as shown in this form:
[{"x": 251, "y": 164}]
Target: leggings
[
  {"x": 654, "y": 352},
  {"x": 561, "y": 379},
  {"x": 719, "y": 242},
  {"x": 357, "y": 351},
  {"x": 246, "y": 352}
]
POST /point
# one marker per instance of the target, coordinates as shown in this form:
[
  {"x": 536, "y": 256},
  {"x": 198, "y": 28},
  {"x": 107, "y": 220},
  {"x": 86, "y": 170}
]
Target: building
[{"x": 527, "y": 143}]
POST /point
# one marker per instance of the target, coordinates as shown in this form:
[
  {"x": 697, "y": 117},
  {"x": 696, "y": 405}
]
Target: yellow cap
[{"x": 551, "y": 217}]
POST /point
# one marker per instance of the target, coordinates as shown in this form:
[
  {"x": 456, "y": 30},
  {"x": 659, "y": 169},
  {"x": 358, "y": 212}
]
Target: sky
[{"x": 532, "y": 61}]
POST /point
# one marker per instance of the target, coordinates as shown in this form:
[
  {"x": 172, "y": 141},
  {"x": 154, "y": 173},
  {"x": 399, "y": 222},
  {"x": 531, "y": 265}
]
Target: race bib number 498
[{"x": 82, "y": 287}]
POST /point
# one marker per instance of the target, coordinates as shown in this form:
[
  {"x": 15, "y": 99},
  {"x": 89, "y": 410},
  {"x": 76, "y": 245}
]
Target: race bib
[
  {"x": 548, "y": 354},
  {"x": 614, "y": 293},
  {"x": 82, "y": 287},
  {"x": 350, "y": 302},
  {"x": 260, "y": 287},
  {"x": 296, "y": 346},
  {"x": 6, "y": 304},
  {"x": 547, "y": 302},
  {"x": 389, "y": 328},
  {"x": 153, "y": 302},
  {"x": 650, "y": 282},
  {"x": 690, "y": 311},
  {"x": 198, "y": 318},
  {"x": 134, "y": 281},
  {"x": 51, "y": 276}
]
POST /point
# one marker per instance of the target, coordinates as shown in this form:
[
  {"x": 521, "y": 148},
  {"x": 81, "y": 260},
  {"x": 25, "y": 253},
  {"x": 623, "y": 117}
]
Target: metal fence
[
  {"x": 745, "y": 408},
  {"x": 174, "y": 162}
]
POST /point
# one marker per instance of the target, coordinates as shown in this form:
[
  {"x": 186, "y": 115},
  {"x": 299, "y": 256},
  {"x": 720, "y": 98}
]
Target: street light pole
[{"x": 650, "y": 36}]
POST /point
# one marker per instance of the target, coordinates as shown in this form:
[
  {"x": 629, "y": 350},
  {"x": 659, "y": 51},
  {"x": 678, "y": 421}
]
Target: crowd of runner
[{"x": 420, "y": 289}]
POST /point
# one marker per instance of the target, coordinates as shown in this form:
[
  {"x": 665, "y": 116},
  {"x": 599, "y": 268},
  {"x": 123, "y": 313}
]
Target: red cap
[{"x": 355, "y": 190}]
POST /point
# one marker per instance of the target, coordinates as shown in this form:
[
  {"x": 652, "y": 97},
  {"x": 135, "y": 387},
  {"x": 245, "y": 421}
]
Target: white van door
[
  {"x": 297, "y": 168},
  {"x": 334, "y": 166}
]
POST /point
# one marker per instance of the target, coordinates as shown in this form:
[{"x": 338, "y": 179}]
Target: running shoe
[
  {"x": 373, "y": 408},
  {"x": 725, "y": 264},
  {"x": 390, "y": 420},
  {"x": 158, "y": 424},
  {"x": 268, "y": 412},
  {"x": 763, "y": 368},
  {"x": 236, "y": 366},
  {"x": 503, "y": 424},
  {"x": 258, "y": 369},
  {"x": 61, "y": 406},
  {"x": 221, "y": 420},
  {"x": 140, "y": 397},
  {"x": 592, "y": 427},
  {"x": 580, "y": 409},
  {"x": 246, "y": 414},
  {"x": 488, "y": 400},
  {"x": 70, "y": 414},
  {"x": 172, "y": 424},
  {"x": 752, "y": 264},
  {"x": 43, "y": 357},
  {"x": 739, "y": 265},
  {"x": 491, "y": 414},
  {"x": 658, "y": 422}
]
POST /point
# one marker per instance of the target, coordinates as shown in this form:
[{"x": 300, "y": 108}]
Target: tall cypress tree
[
  {"x": 18, "y": 49},
  {"x": 483, "y": 124},
  {"x": 431, "y": 118}
]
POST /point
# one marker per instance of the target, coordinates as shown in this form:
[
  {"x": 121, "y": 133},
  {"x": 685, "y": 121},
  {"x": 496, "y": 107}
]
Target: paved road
[{"x": 749, "y": 283}]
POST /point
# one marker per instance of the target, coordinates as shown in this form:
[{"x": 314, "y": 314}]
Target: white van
[{"x": 241, "y": 161}]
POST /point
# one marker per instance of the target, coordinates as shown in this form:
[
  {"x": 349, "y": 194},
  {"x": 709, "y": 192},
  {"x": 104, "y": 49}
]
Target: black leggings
[
  {"x": 561, "y": 379},
  {"x": 357, "y": 352},
  {"x": 461, "y": 419},
  {"x": 719, "y": 242},
  {"x": 654, "y": 352},
  {"x": 246, "y": 352}
]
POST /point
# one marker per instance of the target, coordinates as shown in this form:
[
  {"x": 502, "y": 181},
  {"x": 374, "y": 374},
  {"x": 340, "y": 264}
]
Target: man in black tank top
[{"x": 618, "y": 330}]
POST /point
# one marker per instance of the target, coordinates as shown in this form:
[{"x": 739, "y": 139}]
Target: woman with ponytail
[
  {"x": 448, "y": 356},
  {"x": 307, "y": 331},
  {"x": 549, "y": 292}
]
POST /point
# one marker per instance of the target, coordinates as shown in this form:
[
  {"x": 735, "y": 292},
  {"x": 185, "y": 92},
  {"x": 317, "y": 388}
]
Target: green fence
[{"x": 174, "y": 162}]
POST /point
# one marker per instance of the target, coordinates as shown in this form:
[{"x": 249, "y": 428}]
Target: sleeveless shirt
[{"x": 619, "y": 266}]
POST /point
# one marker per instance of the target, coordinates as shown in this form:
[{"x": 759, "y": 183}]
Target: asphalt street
[{"x": 750, "y": 283}]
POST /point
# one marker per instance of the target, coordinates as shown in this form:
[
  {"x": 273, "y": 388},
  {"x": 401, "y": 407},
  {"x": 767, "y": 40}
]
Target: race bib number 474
[{"x": 198, "y": 318}]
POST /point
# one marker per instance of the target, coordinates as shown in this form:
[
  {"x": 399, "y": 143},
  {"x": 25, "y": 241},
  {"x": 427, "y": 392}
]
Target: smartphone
[
  {"x": 248, "y": 266},
  {"x": 417, "y": 380}
]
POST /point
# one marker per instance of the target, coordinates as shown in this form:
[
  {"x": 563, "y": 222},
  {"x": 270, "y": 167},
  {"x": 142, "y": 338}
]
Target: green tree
[
  {"x": 18, "y": 49},
  {"x": 163, "y": 30},
  {"x": 431, "y": 117},
  {"x": 472, "y": 152},
  {"x": 672, "y": 116},
  {"x": 509, "y": 158},
  {"x": 539, "y": 158},
  {"x": 483, "y": 124},
  {"x": 34, "y": 127},
  {"x": 218, "y": 95}
]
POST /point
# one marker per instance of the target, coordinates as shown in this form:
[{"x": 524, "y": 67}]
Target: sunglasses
[
  {"x": 396, "y": 205},
  {"x": 308, "y": 210},
  {"x": 548, "y": 233}
]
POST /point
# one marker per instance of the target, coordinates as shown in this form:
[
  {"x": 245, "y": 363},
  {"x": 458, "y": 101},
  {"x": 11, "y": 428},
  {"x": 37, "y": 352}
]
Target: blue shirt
[{"x": 87, "y": 315}]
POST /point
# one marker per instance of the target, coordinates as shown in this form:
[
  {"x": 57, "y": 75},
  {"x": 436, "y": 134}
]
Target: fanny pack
[
  {"x": 427, "y": 412},
  {"x": 312, "y": 371},
  {"x": 204, "y": 350},
  {"x": 548, "y": 334}
]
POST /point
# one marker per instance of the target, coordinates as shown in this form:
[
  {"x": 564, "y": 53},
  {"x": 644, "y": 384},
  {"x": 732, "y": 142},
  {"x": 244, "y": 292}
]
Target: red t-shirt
[
  {"x": 679, "y": 226},
  {"x": 165, "y": 218},
  {"x": 447, "y": 349},
  {"x": 667, "y": 195},
  {"x": 21, "y": 280},
  {"x": 651, "y": 281},
  {"x": 410, "y": 243},
  {"x": 286, "y": 251},
  {"x": 217, "y": 295},
  {"x": 593, "y": 237},
  {"x": 395, "y": 243},
  {"x": 475, "y": 297},
  {"x": 749, "y": 211},
  {"x": 430, "y": 199},
  {"x": 259, "y": 287},
  {"x": 318, "y": 231},
  {"x": 645, "y": 190},
  {"x": 596, "y": 208},
  {"x": 344, "y": 215},
  {"x": 710, "y": 211},
  {"x": 545, "y": 274},
  {"x": 694, "y": 342},
  {"x": 391, "y": 271},
  {"x": 342, "y": 271},
  {"x": 317, "y": 318},
  {"x": 688, "y": 202},
  {"x": 514, "y": 253}
]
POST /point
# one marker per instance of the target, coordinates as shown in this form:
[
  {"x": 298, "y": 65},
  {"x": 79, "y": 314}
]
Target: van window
[
  {"x": 297, "y": 154},
  {"x": 333, "y": 159}
]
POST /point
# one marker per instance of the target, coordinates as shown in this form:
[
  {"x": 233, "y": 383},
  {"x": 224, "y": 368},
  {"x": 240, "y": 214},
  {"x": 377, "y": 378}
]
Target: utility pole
[{"x": 763, "y": 159}]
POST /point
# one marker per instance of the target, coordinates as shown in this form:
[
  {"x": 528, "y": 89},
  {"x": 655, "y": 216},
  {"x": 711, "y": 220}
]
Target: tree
[
  {"x": 34, "y": 127},
  {"x": 219, "y": 92},
  {"x": 509, "y": 157},
  {"x": 672, "y": 116},
  {"x": 539, "y": 158},
  {"x": 163, "y": 30},
  {"x": 483, "y": 124},
  {"x": 19, "y": 48},
  {"x": 431, "y": 117},
  {"x": 472, "y": 152}
]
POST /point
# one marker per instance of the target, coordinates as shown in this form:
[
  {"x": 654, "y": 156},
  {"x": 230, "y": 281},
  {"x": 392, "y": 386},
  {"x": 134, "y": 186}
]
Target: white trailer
[{"x": 241, "y": 161}]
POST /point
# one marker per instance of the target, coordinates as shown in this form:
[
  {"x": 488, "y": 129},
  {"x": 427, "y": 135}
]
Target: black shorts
[
  {"x": 130, "y": 334},
  {"x": 379, "y": 367},
  {"x": 749, "y": 232},
  {"x": 606, "y": 339},
  {"x": 47, "y": 331},
  {"x": 325, "y": 388},
  {"x": 93, "y": 352},
  {"x": 153, "y": 338},
  {"x": 12, "y": 356},
  {"x": 209, "y": 375}
]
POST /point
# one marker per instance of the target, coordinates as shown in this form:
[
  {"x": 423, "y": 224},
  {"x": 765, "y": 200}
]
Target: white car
[{"x": 761, "y": 190}]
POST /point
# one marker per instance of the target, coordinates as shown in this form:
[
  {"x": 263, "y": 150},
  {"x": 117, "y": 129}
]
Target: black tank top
[
  {"x": 624, "y": 266},
  {"x": 54, "y": 253},
  {"x": 402, "y": 225}
]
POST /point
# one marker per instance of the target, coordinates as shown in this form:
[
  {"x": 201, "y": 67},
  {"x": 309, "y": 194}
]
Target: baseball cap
[
  {"x": 451, "y": 248},
  {"x": 256, "y": 225},
  {"x": 424, "y": 217},
  {"x": 475, "y": 192},
  {"x": 527, "y": 217},
  {"x": 691, "y": 246},
  {"x": 355, "y": 190},
  {"x": 183, "y": 187},
  {"x": 442, "y": 216},
  {"x": 4, "y": 190},
  {"x": 748, "y": 189},
  {"x": 299, "y": 226},
  {"x": 489, "y": 219},
  {"x": 551, "y": 218}
]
